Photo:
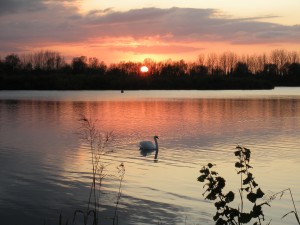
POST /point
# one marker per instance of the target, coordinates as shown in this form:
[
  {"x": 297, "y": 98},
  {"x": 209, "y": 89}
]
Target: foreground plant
[
  {"x": 249, "y": 190},
  {"x": 97, "y": 143},
  {"x": 121, "y": 174}
]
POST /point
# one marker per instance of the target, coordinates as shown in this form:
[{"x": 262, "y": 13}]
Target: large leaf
[
  {"x": 229, "y": 197},
  {"x": 220, "y": 204},
  {"x": 202, "y": 178},
  {"x": 251, "y": 197},
  {"x": 245, "y": 218},
  {"x": 204, "y": 171},
  {"x": 256, "y": 211},
  {"x": 237, "y": 153},
  {"x": 239, "y": 165},
  {"x": 259, "y": 193},
  {"x": 248, "y": 179},
  {"x": 216, "y": 216},
  {"x": 220, "y": 221}
]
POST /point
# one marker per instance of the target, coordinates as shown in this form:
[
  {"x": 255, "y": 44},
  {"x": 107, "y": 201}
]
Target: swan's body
[{"x": 147, "y": 147}]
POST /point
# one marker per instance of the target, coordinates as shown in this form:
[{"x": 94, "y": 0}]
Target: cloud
[
  {"x": 39, "y": 21},
  {"x": 17, "y": 6},
  {"x": 186, "y": 24},
  {"x": 156, "y": 49},
  {"x": 55, "y": 23},
  {"x": 12, "y": 6}
]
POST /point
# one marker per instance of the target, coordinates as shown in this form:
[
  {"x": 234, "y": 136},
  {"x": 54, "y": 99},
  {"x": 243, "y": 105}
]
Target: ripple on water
[{"x": 45, "y": 168}]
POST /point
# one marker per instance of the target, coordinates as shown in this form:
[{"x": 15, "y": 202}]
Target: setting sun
[{"x": 144, "y": 69}]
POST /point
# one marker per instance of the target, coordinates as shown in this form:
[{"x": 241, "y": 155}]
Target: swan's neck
[{"x": 156, "y": 145}]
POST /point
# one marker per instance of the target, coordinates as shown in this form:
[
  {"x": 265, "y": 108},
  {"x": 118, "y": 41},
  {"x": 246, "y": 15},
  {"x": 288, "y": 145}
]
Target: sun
[{"x": 144, "y": 69}]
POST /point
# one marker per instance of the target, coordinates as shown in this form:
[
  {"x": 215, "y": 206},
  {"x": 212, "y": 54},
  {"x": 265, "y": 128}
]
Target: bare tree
[
  {"x": 212, "y": 62},
  {"x": 201, "y": 59},
  {"x": 279, "y": 58}
]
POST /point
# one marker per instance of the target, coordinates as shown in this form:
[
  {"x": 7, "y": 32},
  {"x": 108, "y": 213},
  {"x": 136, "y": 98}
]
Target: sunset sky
[{"x": 116, "y": 30}]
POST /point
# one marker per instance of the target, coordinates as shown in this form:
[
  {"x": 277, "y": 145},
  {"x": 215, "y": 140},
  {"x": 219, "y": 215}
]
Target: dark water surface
[{"x": 45, "y": 168}]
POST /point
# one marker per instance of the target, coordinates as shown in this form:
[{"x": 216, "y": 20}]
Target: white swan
[{"x": 147, "y": 147}]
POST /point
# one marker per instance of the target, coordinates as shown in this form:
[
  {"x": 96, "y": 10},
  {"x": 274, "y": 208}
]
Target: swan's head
[{"x": 155, "y": 137}]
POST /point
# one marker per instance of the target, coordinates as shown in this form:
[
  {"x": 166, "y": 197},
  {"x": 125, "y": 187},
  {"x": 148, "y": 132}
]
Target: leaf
[
  {"x": 202, "y": 178},
  {"x": 259, "y": 193},
  {"x": 210, "y": 165},
  {"x": 254, "y": 184},
  {"x": 233, "y": 213},
  {"x": 248, "y": 179},
  {"x": 211, "y": 196},
  {"x": 220, "y": 221},
  {"x": 247, "y": 153},
  {"x": 245, "y": 218},
  {"x": 256, "y": 211},
  {"x": 237, "y": 153},
  {"x": 229, "y": 197},
  {"x": 251, "y": 197},
  {"x": 216, "y": 216},
  {"x": 220, "y": 204},
  {"x": 221, "y": 182},
  {"x": 239, "y": 165},
  {"x": 204, "y": 170}
]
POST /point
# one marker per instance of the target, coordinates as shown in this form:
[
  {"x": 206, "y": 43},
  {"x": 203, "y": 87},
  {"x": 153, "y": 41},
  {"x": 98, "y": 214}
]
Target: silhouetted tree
[
  {"x": 1, "y": 66},
  {"x": 212, "y": 62},
  {"x": 293, "y": 57},
  {"x": 241, "y": 70},
  {"x": 262, "y": 60},
  {"x": 114, "y": 71},
  {"x": 102, "y": 67},
  {"x": 180, "y": 68},
  {"x": 294, "y": 69},
  {"x": 279, "y": 57},
  {"x": 270, "y": 70},
  {"x": 198, "y": 70},
  {"x": 201, "y": 60},
  {"x": 12, "y": 63},
  {"x": 129, "y": 68},
  {"x": 79, "y": 64},
  {"x": 153, "y": 67},
  {"x": 218, "y": 72},
  {"x": 96, "y": 67},
  {"x": 280, "y": 67},
  {"x": 167, "y": 70}
]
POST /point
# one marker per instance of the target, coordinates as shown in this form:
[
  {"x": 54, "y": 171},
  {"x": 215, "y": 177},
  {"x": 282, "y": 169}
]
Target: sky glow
[{"x": 133, "y": 30}]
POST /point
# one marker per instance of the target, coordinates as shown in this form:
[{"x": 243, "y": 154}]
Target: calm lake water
[{"x": 45, "y": 168}]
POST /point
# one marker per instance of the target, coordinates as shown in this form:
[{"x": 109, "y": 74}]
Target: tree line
[{"x": 279, "y": 67}]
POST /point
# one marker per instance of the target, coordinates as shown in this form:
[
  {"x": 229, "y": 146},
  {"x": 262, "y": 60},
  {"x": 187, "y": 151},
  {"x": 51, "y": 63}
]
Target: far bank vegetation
[{"x": 47, "y": 69}]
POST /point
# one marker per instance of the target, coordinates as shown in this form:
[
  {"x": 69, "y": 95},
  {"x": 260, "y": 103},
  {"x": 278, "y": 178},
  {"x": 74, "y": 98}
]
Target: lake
[{"x": 45, "y": 168}]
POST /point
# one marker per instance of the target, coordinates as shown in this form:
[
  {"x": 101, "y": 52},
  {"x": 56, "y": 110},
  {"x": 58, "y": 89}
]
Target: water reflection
[{"x": 45, "y": 168}]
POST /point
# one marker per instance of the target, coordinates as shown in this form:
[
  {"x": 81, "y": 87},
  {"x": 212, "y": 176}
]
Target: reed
[{"x": 97, "y": 143}]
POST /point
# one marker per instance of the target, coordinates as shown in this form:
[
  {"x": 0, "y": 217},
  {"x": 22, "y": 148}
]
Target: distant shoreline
[
  {"x": 47, "y": 70},
  {"x": 101, "y": 82}
]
